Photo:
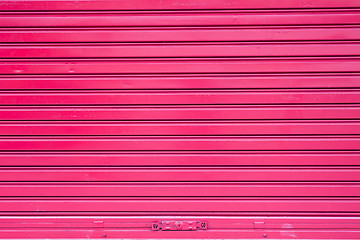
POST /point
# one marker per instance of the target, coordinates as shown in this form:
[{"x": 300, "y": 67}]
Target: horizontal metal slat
[
  {"x": 179, "y": 143},
  {"x": 180, "y": 205},
  {"x": 59, "y": 189},
  {"x": 169, "y": 4},
  {"x": 179, "y": 128},
  {"x": 185, "y": 81},
  {"x": 179, "y": 18},
  {"x": 176, "y": 35},
  {"x": 178, "y": 97},
  {"x": 180, "y": 66},
  {"x": 181, "y": 158},
  {"x": 184, "y": 50},
  {"x": 180, "y": 174},
  {"x": 184, "y": 112}
]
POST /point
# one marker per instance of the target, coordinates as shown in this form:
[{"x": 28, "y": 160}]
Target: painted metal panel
[
  {"x": 180, "y": 119},
  {"x": 154, "y": 189},
  {"x": 217, "y": 17},
  {"x": 180, "y": 158},
  {"x": 204, "y": 127},
  {"x": 175, "y": 34},
  {"x": 183, "y": 174},
  {"x": 175, "y": 97},
  {"x": 179, "y": 50},
  {"x": 179, "y": 206},
  {"x": 179, "y": 143},
  {"x": 183, "y": 112},
  {"x": 183, "y": 81},
  {"x": 170, "y": 4}
]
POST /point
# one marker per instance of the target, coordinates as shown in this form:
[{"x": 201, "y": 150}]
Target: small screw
[
  {"x": 265, "y": 235},
  {"x": 155, "y": 226},
  {"x": 203, "y": 225}
]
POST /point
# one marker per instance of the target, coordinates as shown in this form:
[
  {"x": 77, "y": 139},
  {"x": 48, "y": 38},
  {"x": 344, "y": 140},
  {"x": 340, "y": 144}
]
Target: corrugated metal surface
[{"x": 241, "y": 117}]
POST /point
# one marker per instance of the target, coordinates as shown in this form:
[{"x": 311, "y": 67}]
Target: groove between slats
[
  {"x": 178, "y": 35},
  {"x": 180, "y": 128},
  {"x": 179, "y": 18},
  {"x": 180, "y": 143},
  {"x": 181, "y": 158}
]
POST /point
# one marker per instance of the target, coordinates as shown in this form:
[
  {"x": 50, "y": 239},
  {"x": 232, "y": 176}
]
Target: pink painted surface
[{"x": 180, "y": 119}]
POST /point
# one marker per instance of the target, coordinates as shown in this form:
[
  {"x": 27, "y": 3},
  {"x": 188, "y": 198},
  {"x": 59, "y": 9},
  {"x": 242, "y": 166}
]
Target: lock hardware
[{"x": 178, "y": 225}]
